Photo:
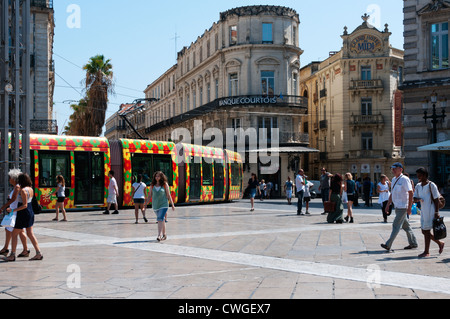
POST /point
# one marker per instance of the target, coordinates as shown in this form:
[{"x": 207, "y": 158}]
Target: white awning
[
  {"x": 443, "y": 147},
  {"x": 280, "y": 150}
]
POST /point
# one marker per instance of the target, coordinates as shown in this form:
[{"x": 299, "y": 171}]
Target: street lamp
[{"x": 434, "y": 120}]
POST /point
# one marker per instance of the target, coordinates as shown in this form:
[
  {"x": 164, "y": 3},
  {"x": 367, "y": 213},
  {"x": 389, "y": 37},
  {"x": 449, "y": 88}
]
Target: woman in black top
[
  {"x": 336, "y": 197},
  {"x": 253, "y": 185}
]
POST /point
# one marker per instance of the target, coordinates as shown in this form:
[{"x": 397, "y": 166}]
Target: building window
[
  {"x": 439, "y": 46},
  {"x": 234, "y": 84},
  {"x": 208, "y": 92},
  {"x": 267, "y": 33},
  {"x": 217, "y": 89},
  {"x": 295, "y": 84},
  {"x": 188, "y": 104},
  {"x": 367, "y": 141},
  {"x": 268, "y": 83},
  {"x": 265, "y": 127},
  {"x": 366, "y": 73},
  {"x": 366, "y": 106},
  {"x": 233, "y": 35}
]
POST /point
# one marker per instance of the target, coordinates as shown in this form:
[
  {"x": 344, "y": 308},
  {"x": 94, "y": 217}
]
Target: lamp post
[{"x": 434, "y": 120}]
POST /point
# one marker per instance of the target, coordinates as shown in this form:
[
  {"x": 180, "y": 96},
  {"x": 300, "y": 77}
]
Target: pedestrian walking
[
  {"x": 307, "y": 194},
  {"x": 262, "y": 190},
  {"x": 383, "y": 189},
  {"x": 13, "y": 203},
  {"x": 335, "y": 196},
  {"x": 350, "y": 189},
  {"x": 324, "y": 187},
  {"x": 402, "y": 196},
  {"x": 300, "y": 189},
  {"x": 159, "y": 195},
  {"x": 25, "y": 218},
  {"x": 288, "y": 186},
  {"x": 138, "y": 194},
  {"x": 269, "y": 187},
  {"x": 427, "y": 193},
  {"x": 253, "y": 185},
  {"x": 61, "y": 198},
  {"x": 113, "y": 194}
]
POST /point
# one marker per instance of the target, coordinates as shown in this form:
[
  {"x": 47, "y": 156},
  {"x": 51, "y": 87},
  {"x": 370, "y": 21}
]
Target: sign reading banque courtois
[{"x": 246, "y": 100}]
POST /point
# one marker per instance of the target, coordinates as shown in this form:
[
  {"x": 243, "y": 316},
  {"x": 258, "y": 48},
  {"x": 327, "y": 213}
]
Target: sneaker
[
  {"x": 106, "y": 212},
  {"x": 116, "y": 212},
  {"x": 307, "y": 213}
]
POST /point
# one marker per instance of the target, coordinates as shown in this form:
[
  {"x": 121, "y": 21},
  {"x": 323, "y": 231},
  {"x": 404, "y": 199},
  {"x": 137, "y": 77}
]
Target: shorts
[
  {"x": 61, "y": 199},
  {"x": 307, "y": 199},
  {"x": 112, "y": 199},
  {"x": 351, "y": 198},
  {"x": 161, "y": 213},
  {"x": 139, "y": 200},
  {"x": 253, "y": 193}
]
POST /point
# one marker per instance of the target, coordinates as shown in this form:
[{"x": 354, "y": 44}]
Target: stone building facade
[
  {"x": 354, "y": 112},
  {"x": 42, "y": 66},
  {"x": 242, "y": 73},
  {"x": 426, "y": 25}
]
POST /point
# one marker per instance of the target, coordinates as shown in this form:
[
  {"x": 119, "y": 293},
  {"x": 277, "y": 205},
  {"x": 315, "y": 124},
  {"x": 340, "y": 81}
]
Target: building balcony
[
  {"x": 357, "y": 154},
  {"x": 49, "y": 127},
  {"x": 293, "y": 138},
  {"x": 323, "y": 125},
  {"x": 42, "y": 4},
  {"x": 367, "y": 120},
  {"x": 366, "y": 86}
]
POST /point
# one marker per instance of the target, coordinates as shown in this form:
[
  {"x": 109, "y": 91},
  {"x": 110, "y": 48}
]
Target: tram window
[
  {"x": 141, "y": 164},
  {"x": 236, "y": 177},
  {"x": 164, "y": 164},
  {"x": 147, "y": 164},
  {"x": 207, "y": 173},
  {"x": 51, "y": 165}
]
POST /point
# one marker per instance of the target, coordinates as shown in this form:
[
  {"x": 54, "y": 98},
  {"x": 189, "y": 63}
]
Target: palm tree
[
  {"x": 76, "y": 125},
  {"x": 99, "y": 84}
]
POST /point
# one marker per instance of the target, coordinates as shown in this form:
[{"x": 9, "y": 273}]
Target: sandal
[
  {"x": 11, "y": 258},
  {"x": 24, "y": 255},
  {"x": 38, "y": 257},
  {"x": 4, "y": 252}
]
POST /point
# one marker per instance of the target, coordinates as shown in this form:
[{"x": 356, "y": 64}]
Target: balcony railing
[
  {"x": 366, "y": 84},
  {"x": 42, "y": 4},
  {"x": 44, "y": 127},
  {"x": 293, "y": 138},
  {"x": 367, "y": 154},
  {"x": 376, "y": 119}
]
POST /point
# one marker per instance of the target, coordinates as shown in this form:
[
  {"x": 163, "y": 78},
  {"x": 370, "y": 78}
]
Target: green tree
[{"x": 99, "y": 84}]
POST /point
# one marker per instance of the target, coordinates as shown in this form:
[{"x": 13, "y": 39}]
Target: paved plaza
[{"x": 224, "y": 251}]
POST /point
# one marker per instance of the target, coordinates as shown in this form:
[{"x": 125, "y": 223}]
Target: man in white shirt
[
  {"x": 402, "y": 196},
  {"x": 300, "y": 189},
  {"x": 113, "y": 194}
]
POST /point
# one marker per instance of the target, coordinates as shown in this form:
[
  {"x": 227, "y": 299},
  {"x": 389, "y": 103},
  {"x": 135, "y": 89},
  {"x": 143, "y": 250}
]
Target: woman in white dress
[
  {"x": 427, "y": 194},
  {"x": 383, "y": 188}
]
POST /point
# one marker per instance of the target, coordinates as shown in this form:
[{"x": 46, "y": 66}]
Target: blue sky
[{"x": 138, "y": 37}]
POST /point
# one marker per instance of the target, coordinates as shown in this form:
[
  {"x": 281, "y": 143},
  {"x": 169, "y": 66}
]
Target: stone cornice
[{"x": 260, "y": 10}]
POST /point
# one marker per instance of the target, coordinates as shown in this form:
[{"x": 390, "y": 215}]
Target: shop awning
[
  {"x": 284, "y": 150},
  {"x": 443, "y": 147}
]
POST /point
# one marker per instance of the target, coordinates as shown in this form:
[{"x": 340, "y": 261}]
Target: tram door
[
  {"x": 89, "y": 178},
  {"x": 218, "y": 180}
]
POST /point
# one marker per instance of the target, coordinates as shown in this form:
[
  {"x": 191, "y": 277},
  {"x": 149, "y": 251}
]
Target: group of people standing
[
  {"x": 158, "y": 194},
  {"x": 20, "y": 206}
]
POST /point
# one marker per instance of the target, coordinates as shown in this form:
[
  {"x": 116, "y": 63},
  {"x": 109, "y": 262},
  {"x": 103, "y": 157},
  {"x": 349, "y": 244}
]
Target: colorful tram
[{"x": 196, "y": 174}]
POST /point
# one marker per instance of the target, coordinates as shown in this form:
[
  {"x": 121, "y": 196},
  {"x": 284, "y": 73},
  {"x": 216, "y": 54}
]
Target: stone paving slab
[{"x": 224, "y": 251}]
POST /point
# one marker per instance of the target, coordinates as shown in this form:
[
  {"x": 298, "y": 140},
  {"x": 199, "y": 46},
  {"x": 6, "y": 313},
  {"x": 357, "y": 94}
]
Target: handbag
[
  {"x": 329, "y": 207},
  {"x": 344, "y": 197},
  {"x": 9, "y": 220},
  {"x": 439, "y": 229}
]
